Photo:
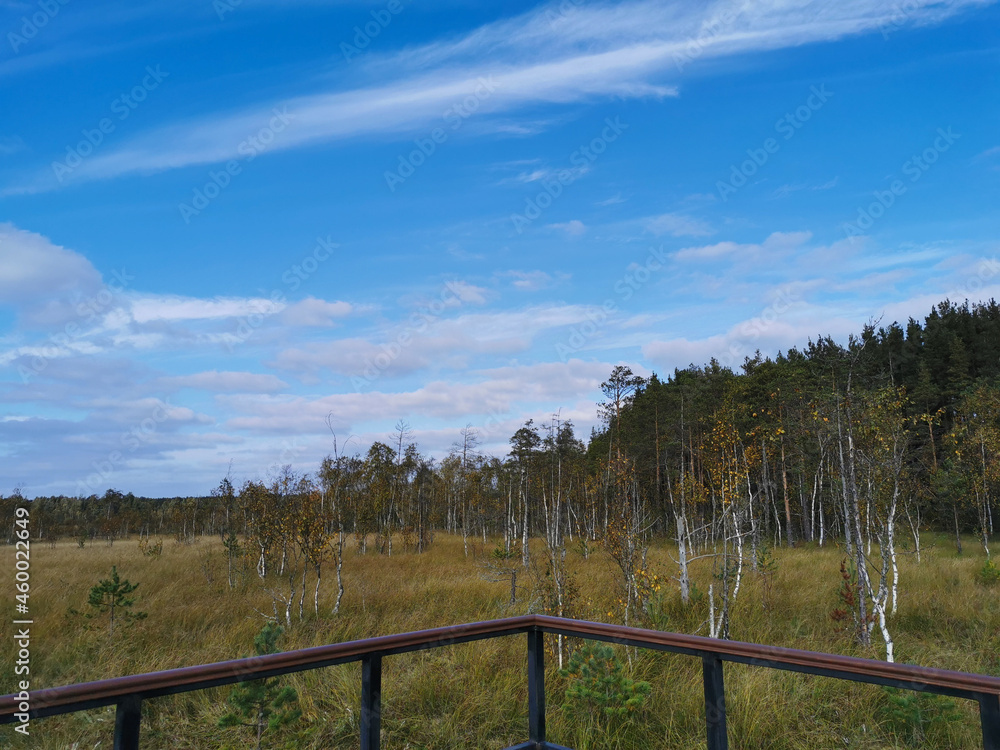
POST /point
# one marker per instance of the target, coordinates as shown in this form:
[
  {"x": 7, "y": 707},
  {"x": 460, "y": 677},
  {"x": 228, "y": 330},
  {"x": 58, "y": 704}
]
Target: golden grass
[{"x": 474, "y": 695}]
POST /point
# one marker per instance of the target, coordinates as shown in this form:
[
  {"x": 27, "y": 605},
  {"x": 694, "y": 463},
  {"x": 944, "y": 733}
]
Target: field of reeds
[{"x": 475, "y": 695}]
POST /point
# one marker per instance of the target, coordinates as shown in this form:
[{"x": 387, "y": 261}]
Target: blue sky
[{"x": 226, "y": 224}]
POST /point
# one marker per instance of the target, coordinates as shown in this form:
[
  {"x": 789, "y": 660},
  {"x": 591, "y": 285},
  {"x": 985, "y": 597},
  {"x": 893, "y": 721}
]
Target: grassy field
[{"x": 474, "y": 695}]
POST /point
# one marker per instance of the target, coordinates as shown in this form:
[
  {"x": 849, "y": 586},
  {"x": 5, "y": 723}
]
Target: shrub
[
  {"x": 150, "y": 550},
  {"x": 988, "y": 575}
]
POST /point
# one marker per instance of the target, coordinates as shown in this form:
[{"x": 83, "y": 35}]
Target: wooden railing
[{"x": 127, "y": 693}]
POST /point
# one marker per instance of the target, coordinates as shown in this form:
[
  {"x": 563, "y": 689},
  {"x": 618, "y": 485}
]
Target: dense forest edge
[{"x": 866, "y": 446}]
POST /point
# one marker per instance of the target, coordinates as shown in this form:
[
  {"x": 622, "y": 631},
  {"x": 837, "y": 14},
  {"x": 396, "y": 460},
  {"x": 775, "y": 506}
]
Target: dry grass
[{"x": 474, "y": 696}]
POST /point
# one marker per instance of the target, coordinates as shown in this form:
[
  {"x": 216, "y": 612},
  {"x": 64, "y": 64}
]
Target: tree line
[{"x": 867, "y": 444}]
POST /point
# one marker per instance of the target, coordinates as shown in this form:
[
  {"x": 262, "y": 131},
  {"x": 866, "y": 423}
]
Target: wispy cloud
[
  {"x": 226, "y": 382},
  {"x": 172, "y": 308},
  {"x": 988, "y": 154},
  {"x": 530, "y": 281},
  {"x": 548, "y": 174},
  {"x": 574, "y": 228},
  {"x": 788, "y": 189},
  {"x": 393, "y": 109},
  {"x": 677, "y": 225},
  {"x": 777, "y": 242},
  {"x": 315, "y": 312},
  {"x": 613, "y": 200},
  {"x": 594, "y": 51}
]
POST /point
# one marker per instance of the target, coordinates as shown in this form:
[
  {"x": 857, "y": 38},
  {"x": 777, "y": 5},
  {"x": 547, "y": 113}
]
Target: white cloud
[
  {"x": 788, "y": 319},
  {"x": 600, "y": 50},
  {"x": 33, "y": 269},
  {"x": 533, "y": 176},
  {"x": 548, "y": 174},
  {"x": 777, "y": 327},
  {"x": 451, "y": 342},
  {"x": 126, "y": 411},
  {"x": 717, "y": 28},
  {"x": 226, "y": 382},
  {"x": 351, "y": 356},
  {"x": 613, "y": 200},
  {"x": 49, "y": 351},
  {"x": 987, "y": 154},
  {"x": 528, "y": 281},
  {"x": 786, "y": 190},
  {"x": 919, "y": 306},
  {"x": 315, "y": 312},
  {"x": 505, "y": 391},
  {"x": 394, "y": 109},
  {"x": 550, "y": 381},
  {"x": 777, "y": 242},
  {"x": 883, "y": 282},
  {"x": 574, "y": 228},
  {"x": 677, "y": 225},
  {"x": 468, "y": 293},
  {"x": 147, "y": 309}
]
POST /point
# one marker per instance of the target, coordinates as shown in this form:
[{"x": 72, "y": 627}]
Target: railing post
[
  {"x": 989, "y": 715},
  {"x": 127, "y": 717},
  {"x": 715, "y": 703},
  {"x": 536, "y": 687},
  {"x": 371, "y": 702}
]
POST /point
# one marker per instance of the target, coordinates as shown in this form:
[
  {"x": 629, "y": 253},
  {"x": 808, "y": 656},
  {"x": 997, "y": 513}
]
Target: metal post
[
  {"x": 371, "y": 702},
  {"x": 127, "y": 716},
  {"x": 989, "y": 715},
  {"x": 715, "y": 703},
  {"x": 536, "y": 687}
]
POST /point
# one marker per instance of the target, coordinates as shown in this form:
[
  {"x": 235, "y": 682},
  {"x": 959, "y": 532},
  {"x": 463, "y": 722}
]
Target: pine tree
[
  {"x": 111, "y": 595},
  {"x": 263, "y": 704},
  {"x": 598, "y": 686}
]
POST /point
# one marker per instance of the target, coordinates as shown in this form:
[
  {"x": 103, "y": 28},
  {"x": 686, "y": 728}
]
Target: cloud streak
[{"x": 542, "y": 57}]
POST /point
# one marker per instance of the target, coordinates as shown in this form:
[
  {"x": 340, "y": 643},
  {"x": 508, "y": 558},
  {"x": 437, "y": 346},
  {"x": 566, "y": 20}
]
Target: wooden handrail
[
  {"x": 846, "y": 667},
  {"x": 127, "y": 693},
  {"x": 69, "y": 698}
]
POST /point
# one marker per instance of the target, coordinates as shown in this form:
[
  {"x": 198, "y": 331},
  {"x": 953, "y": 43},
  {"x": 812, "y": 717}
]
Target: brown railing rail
[{"x": 127, "y": 693}]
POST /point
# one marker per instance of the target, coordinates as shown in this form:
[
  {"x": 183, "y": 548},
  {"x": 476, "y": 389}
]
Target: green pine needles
[
  {"x": 917, "y": 717},
  {"x": 598, "y": 687},
  {"x": 265, "y": 704},
  {"x": 111, "y": 596}
]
